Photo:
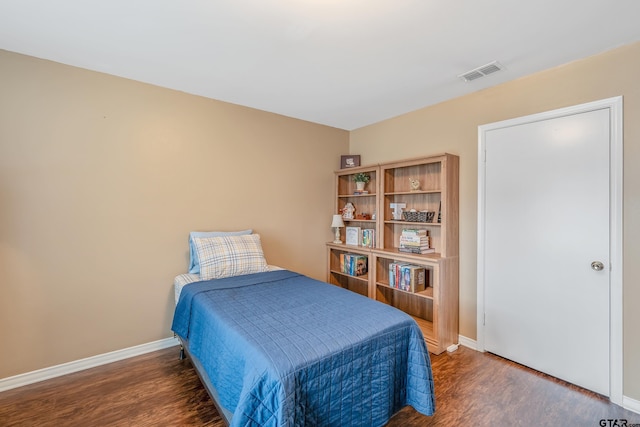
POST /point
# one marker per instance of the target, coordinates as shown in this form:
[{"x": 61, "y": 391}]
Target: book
[
  {"x": 419, "y": 251},
  {"x": 414, "y": 247},
  {"x": 412, "y": 278},
  {"x": 418, "y": 279},
  {"x": 403, "y": 279},
  {"x": 344, "y": 263},
  {"x": 424, "y": 245},
  {"x": 360, "y": 265},
  {"x": 415, "y": 241},
  {"x": 353, "y": 264},
  {"x": 368, "y": 238},
  {"x": 398, "y": 274},
  {"x": 392, "y": 274},
  {"x": 416, "y": 231},
  {"x": 353, "y": 236}
]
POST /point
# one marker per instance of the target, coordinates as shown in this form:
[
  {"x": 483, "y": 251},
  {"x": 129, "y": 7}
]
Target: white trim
[
  {"x": 480, "y": 242},
  {"x": 631, "y": 404},
  {"x": 616, "y": 366},
  {"x": 616, "y": 313},
  {"x": 467, "y": 342},
  {"x": 82, "y": 364}
]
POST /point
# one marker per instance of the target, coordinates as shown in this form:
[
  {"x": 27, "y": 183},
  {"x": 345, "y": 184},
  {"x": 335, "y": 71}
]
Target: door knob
[{"x": 597, "y": 265}]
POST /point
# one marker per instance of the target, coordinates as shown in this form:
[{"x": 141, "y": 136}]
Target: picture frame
[
  {"x": 353, "y": 236},
  {"x": 350, "y": 161}
]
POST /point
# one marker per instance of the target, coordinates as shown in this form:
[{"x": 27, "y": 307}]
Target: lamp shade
[{"x": 337, "y": 221}]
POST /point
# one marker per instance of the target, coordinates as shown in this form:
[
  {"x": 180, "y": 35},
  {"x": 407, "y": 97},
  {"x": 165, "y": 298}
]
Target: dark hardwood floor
[{"x": 157, "y": 389}]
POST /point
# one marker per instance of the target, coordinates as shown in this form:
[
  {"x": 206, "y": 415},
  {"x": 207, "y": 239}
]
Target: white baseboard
[
  {"x": 467, "y": 342},
  {"x": 82, "y": 364},
  {"x": 631, "y": 404}
]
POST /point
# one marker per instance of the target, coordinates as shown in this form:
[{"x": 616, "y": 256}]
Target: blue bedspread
[{"x": 283, "y": 349}]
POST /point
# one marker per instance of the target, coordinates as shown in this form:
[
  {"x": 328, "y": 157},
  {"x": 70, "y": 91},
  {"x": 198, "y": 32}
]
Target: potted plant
[{"x": 361, "y": 178}]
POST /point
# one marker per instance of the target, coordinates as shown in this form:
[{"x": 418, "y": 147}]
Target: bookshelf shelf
[
  {"x": 394, "y": 253},
  {"x": 412, "y": 193},
  {"x": 427, "y": 293},
  {"x": 423, "y": 184},
  {"x": 357, "y": 195},
  {"x": 364, "y": 277},
  {"x": 409, "y": 224}
]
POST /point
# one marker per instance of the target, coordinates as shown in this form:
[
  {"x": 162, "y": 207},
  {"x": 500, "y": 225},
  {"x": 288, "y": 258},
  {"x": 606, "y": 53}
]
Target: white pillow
[
  {"x": 194, "y": 264},
  {"x": 227, "y": 256}
]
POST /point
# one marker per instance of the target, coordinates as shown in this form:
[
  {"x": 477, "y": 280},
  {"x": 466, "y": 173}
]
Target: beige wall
[
  {"x": 101, "y": 180},
  {"x": 453, "y": 127}
]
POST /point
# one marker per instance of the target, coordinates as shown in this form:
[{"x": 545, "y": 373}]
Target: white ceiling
[{"x": 342, "y": 63}]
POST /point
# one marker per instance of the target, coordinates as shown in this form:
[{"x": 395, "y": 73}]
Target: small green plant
[{"x": 361, "y": 177}]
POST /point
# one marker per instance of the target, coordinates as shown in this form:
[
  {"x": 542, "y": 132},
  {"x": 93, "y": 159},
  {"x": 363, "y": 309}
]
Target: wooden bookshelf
[{"x": 423, "y": 184}]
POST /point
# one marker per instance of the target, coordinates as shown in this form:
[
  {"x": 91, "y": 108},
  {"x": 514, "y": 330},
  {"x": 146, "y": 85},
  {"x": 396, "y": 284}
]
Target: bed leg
[{"x": 181, "y": 347}]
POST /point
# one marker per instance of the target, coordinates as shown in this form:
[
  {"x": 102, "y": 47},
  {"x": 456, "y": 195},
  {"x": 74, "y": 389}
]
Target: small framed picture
[
  {"x": 349, "y": 161},
  {"x": 353, "y": 236}
]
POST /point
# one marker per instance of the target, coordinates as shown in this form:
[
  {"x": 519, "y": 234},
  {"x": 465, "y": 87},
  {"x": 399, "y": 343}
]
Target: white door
[{"x": 546, "y": 246}]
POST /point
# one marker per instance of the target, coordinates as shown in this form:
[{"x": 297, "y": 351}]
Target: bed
[{"x": 277, "y": 348}]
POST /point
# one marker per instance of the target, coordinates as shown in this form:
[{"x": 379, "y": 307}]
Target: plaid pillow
[
  {"x": 194, "y": 264},
  {"x": 227, "y": 256}
]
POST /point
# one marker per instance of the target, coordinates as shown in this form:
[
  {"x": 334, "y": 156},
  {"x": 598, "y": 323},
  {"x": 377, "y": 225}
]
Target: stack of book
[
  {"x": 407, "y": 277},
  {"x": 353, "y": 264},
  {"x": 415, "y": 241}
]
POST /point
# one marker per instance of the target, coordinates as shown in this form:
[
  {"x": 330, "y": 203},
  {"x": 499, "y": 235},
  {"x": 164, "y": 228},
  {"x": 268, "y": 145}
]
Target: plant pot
[{"x": 360, "y": 185}]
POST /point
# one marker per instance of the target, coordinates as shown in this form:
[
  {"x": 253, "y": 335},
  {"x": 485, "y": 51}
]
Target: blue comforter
[{"x": 283, "y": 349}]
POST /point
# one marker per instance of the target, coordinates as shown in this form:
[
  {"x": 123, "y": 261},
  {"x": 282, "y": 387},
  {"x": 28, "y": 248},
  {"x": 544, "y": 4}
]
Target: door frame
[{"x": 615, "y": 227}]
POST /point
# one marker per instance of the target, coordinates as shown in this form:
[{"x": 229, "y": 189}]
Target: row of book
[
  {"x": 407, "y": 277},
  {"x": 415, "y": 241},
  {"x": 357, "y": 236},
  {"x": 353, "y": 264}
]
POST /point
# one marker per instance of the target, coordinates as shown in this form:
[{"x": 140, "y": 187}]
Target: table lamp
[{"x": 337, "y": 223}]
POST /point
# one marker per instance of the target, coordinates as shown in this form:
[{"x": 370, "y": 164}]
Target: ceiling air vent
[{"x": 485, "y": 70}]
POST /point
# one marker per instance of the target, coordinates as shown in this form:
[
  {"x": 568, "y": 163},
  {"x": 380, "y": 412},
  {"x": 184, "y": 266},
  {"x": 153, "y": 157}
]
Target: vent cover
[{"x": 485, "y": 70}]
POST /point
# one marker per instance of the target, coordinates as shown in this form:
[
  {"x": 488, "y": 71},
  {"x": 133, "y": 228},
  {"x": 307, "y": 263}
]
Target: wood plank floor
[{"x": 157, "y": 389}]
